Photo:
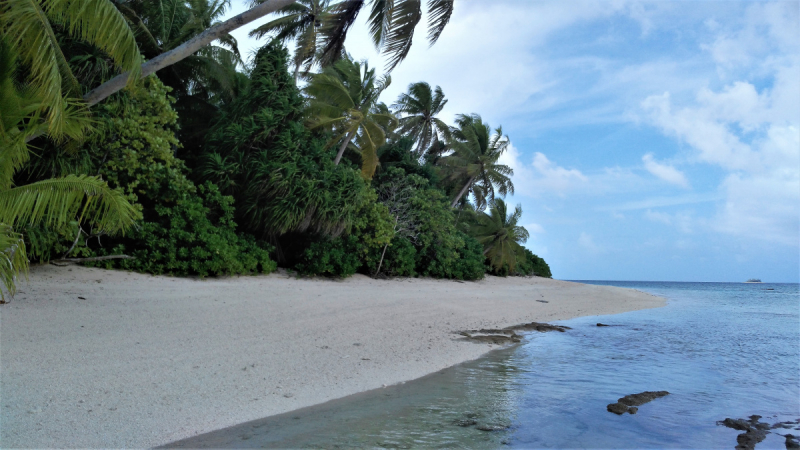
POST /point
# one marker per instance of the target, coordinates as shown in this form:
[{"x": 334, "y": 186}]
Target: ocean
[{"x": 721, "y": 350}]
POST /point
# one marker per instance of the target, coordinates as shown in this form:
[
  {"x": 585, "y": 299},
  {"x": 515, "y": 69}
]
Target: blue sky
[{"x": 650, "y": 140}]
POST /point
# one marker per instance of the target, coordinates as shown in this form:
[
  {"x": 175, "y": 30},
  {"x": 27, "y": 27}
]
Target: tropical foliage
[
  {"x": 301, "y": 22},
  {"x": 343, "y": 100},
  {"x": 419, "y": 108},
  {"x": 500, "y": 235},
  {"x": 473, "y": 164},
  {"x": 46, "y": 102},
  {"x": 215, "y": 166},
  {"x": 280, "y": 175}
]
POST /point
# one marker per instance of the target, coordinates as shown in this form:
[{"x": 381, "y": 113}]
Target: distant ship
[{"x": 753, "y": 280}]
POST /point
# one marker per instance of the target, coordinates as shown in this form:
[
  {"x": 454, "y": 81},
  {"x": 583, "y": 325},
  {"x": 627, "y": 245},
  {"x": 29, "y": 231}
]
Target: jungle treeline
[{"x": 220, "y": 164}]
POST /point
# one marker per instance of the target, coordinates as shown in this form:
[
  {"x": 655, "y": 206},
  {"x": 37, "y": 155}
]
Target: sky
[{"x": 651, "y": 141}]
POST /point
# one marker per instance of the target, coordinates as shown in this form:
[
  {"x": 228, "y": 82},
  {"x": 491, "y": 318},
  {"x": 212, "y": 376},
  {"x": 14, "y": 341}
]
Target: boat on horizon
[{"x": 753, "y": 280}]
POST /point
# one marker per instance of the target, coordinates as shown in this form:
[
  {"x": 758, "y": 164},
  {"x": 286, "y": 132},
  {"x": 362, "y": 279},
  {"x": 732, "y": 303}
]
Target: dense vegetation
[{"x": 214, "y": 167}]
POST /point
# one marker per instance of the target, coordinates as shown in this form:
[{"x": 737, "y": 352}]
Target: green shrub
[
  {"x": 281, "y": 176},
  {"x": 533, "y": 265},
  {"x": 358, "y": 251},
  {"x": 186, "y": 230},
  {"x": 196, "y": 236}
]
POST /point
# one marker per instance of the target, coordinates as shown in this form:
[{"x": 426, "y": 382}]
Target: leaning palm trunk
[
  {"x": 463, "y": 191},
  {"x": 186, "y": 49},
  {"x": 344, "y": 145}
]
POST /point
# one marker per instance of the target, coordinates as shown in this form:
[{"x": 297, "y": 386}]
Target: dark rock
[
  {"x": 538, "y": 326},
  {"x": 642, "y": 398},
  {"x": 791, "y": 442},
  {"x": 618, "y": 408},
  {"x": 629, "y": 403},
  {"x": 602, "y": 325},
  {"x": 736, "y": 424},
  {"x": 492, "y": 336},
  {"x": 755, "y": 431},
  {"x": 542, "y": 301},
  {"x": 748, "y": 440}
]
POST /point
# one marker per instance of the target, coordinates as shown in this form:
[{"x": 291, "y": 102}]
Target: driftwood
[{"x": 65, "y": 261}]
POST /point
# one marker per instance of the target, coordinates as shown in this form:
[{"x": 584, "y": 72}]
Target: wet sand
[{"x": 97, "y": 358}]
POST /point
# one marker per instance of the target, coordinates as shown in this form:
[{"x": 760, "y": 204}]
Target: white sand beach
[{"x": 98, "y": 358}]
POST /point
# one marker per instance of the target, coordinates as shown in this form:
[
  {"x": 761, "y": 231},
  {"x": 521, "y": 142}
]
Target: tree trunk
[
  {"x": 186, "y": 49},
  {"x": 344, "y": 146},
  {"x": 463, "y": 191}
]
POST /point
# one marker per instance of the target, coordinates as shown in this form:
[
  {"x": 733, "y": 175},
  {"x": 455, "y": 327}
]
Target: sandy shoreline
[{"x": 141, "y": 361}]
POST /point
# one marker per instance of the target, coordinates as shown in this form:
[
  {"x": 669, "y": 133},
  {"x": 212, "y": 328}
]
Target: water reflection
[
  {"x": 722, "y": 350},
  {"x": 468, "y": 406}
]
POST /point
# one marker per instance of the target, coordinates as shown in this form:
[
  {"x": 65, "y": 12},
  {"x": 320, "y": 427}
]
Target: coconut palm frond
[
  {"x": 380, "y": 19},
  {"x": 500, "y": 235},
  {"x": 100, "y": 23},
  {"x": 405, "y": 17},
  {"x": 13, "y": 260},
  {"x": 439, "y": 12},
  {"x": 335, "y": 27},
  {"x": 52, "y": 202},
  {"x": 28, "y": 31}
]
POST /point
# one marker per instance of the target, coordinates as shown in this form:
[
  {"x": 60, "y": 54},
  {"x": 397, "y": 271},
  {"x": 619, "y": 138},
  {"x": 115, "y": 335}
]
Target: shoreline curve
[{"x": 100, "y": 358}]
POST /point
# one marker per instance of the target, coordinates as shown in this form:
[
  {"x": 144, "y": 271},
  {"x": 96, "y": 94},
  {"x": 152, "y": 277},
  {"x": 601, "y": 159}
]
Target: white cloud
[
  {"x": 749, "y": 129},
  {"x": 768, "y": 28},
  {"x": 555, "y": 177},
  {"x": 534, "y": 228},
  {"x": 664, "y": 171},
  {"x": 586, "y": 241},
  {"x": 541, "y": 176},
  {"x": 763, "y": 206}
]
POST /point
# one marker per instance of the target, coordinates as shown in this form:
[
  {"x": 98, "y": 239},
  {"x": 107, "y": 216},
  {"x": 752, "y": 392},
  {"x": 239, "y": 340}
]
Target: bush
[
  {"x": 186, "y": 230},
  {"x": 358, "y": 251},
  {"x": 533, "y": 265},
  {"x": 281, "y": 176},
  {"x": 196, "y": 236}
]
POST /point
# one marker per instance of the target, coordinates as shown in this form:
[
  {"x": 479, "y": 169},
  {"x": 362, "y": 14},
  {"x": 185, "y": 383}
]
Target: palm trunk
[
  {"x": 463, "y": 191},
  {"x": 344, "y": 146},
  {"x": 186, "y": 49}
]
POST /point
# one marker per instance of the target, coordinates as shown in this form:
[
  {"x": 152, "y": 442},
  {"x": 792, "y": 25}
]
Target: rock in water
[
  {"x": 754, "y": 431},
  {"x": 538, "y": 326},
  {"x": 617, "y": 408},
  {"x": 629, "y": 403}
]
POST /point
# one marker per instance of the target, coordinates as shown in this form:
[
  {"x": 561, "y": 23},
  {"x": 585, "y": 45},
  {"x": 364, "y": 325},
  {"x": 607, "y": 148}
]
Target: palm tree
[
  {"x": 392, "y": 25},
  {"x": 167, "y": 24},
  {"x": 55, "y": 201},
  {"x": 300, "y": 21},
  {"x": 26, "y": 27},
  {"x": 420, "y": 107},
  {"x": 475, "y": 152},
  {"x": 344, "y": 100},
  {"x": 500, "y": 235}
]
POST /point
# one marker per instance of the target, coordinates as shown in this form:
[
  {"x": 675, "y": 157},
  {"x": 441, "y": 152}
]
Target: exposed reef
[
  {"x": 629, "y": 403},
  {"x": 756, "y": 431},
  {"x": 508, "y": 335}
]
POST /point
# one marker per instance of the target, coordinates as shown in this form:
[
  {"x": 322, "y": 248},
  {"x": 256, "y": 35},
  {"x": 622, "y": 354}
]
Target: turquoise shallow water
[{"x": 720, "y": 349}]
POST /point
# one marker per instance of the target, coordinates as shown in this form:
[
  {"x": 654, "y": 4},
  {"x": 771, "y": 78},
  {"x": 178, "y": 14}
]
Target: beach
[{"x": 98, "y": 358}]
